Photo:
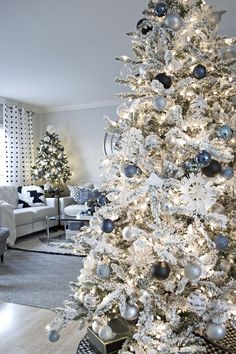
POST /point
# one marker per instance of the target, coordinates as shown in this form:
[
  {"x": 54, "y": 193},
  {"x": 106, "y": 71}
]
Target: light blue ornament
[
  {"x": 130, "y": 171},
  {"x": 221, "y": 242},
  {"x": 53, "y": 336},
  {"x": 228, "y": 173},
  {"x": 159, "y": 103},
  {"x": 103, "y": 271},
  {"x": 225, "y": 132},
  {"x": 203, "y": 158}
]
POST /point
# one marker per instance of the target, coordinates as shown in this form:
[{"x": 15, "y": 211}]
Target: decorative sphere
[
  {"x": 203, "y": 158},
  {"x": 160, "y": 9},
  {"x": 53, "y": 336},
  {"x": 95, "y": 326},
  {"x": 215, "y": 331},
  {"x": 102, "y": 200},
  {"x": 160, "y": 270},
  {"x": 173, "y": 21},
  {"x": 159, "y": 103},
  {"x": 128, "y": 233},
  {"x": 225, "y": 132},
  {"x": 164, "y": 79},
  {"x": 123, "y": 110},
  {"x": 103, "y": 271},
  {"x": 190, "y": 166},
  {"x": 131, "y": 312},
  {"x": 107, "y": 226},
  {"x": 227, "y": 173},
  {"x": 130, "y": 171},
  {"x": 143, "y": 26},
  {"x": 105, "y": 333},
  {"x": 221, "y": 242},
  {"x": 192, "y": 271},
  {"x": 152, "y": 141},
  {"x": 229, "y": 53},
  {"x": 213, "y": 169},
  {"x": 199, "y": 72}
]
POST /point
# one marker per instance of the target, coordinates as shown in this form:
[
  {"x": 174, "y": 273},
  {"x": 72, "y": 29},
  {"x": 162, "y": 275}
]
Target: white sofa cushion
[
  {"x": 24, "y": 216},
  {"x": 40, "y": 213},
  {"x": 73, "y": 210}
]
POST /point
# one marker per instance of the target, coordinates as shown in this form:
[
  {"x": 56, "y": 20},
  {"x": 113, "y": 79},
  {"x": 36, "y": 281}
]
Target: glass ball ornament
[
  {"x": 173, "y": 21},
  {"x": 199, "y": 72},
  {"x": 96, "y": 326},
  {"x": 190, "y": 166},
  {"x": 227, "y": 173},
  {"x": 225, "y": 132},
  {"x": 164, "y": 79},
  {"x": 213, "y": 169},
  {"x": 107, "y": 226},
  {"x": 160, "y": 271},
  {"x": 105, "y": 332},
  {"x": 103, "y": 271},
  {"x": 130, "y": 171},
  {"x": 102, "y": 200},
  {"x": 192, "y": 271},
  {"x": 128, "y": 233},
  {"x": 160, "y": 9},
  {"x": 203, "y": 158},
  {"x": 229, "y": 53},
  {"x": 221, "y": 242},
  {"x": 53, "y": 336},
  {"x": 215, "y": 331},
  {"x": 131, "y": 312},
  {"x": 159, "y": 103},
  {"x": 143, "y": 26}
]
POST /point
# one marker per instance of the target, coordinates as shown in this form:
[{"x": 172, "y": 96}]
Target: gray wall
[{"x": 82, "y": 133}]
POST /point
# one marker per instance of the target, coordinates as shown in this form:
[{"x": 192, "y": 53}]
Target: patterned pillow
[
  {"x": 81, "y": 195},
  {"x": 30, "y": 196}
]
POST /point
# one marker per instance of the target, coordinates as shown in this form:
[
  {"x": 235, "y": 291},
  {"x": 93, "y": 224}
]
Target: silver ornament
[
  {"x": 152, "y": 142},
  {"x": 159, "y": 103},
  {"x": 95, "y": 326},
  {"x": 105, "y": 333},
  {"x": 131, "y": 312},
  {"x": 90, "y": 301},
  {"x": 215, "y": 331},
  {"x": 197, "y": 303},
  {"x": 53, "y": 336},
  {"x": 228, "y": 173},
  {"x": 173, "y": 21},
  {"x": 128, "y": 233},
  {"x": 123, "y": 110},
  {"x": 192, "y": 271},
  {"x": 103, "y": 271}
]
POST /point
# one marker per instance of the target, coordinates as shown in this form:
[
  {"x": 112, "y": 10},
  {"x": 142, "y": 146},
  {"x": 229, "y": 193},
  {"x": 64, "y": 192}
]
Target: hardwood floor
[{"x": 22, "y": 332}]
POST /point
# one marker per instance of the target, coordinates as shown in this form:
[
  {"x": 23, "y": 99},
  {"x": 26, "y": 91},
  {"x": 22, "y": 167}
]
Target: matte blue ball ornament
[
  {"x": 221, "y": 242},
  {"x": 225, "y": 132},
  {"x": 53, "y": 336},
  {"x": 199, "y": 72},
  {"x": 203, "y": 158},
  {"x": 227, "y": 173},
  {"x": 130, "y": 171},
  {"x": 102, "y": 200},
  {"x": 160, "y": 9},
  {"x": 107, "y": 226}
]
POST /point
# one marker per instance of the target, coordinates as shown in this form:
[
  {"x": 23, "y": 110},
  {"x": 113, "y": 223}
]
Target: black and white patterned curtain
[{"x": 19, "y": 149}]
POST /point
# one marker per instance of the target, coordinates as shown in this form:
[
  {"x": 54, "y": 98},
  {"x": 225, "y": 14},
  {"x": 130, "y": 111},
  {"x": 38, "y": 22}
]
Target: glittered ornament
[
  {"x": 190, "y": 166},
  {"x": 107, "y": 226},
  {"x": 130, "y": 171},
  {"x": 197, "y": 303},
  {"x": 227, "y": 173},
  {"x": 143, "y": 26},
  {"x": 131, "y": 312},
  {"x": 160, "y": 271},
  {"x": 102, "y": 200},
  {"x": 221, "y": 242},
  {"x": 159, "y": 103},
  {"x": 105, "y": 332},
  {"x": 225, "y": 132},
  {"x": 164, "y": 79},
  {"x": 192, "y": 271},
  {"x": 96, "y": 326},
  {"x": 173, "y": 21},
  {"x": 215, "y": 331},
  {"x": 213, "y": 169},
  {"x": 160, "y": 9},
  {"x": 103, "y": 271},
  {"x": 53, "y": 336},
  {"x": 203, "y": 158},
  {"x": 199, "y": 72}
]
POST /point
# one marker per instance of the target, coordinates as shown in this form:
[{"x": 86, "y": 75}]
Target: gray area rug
[{"x": 37, "y": 279}]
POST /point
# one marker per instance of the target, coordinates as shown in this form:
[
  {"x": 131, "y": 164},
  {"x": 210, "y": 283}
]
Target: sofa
[
  {"x": 4, "y": 233},
  {"x": 21, "y": 220}
]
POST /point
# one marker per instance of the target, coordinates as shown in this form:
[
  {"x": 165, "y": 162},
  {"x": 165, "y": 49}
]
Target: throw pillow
[
  {"x": 81, "y": 195},
  {"x": 30, "y": 196}
]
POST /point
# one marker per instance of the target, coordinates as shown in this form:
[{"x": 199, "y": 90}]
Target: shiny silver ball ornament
[
  {"x": 128, "y": 233},
  {"x": 159, "y": 103},
  {"x": 173, "y": 21},
  {"x": 215, "y": 331},
  {"x": 227, "y": 173},
  {"x": 203, "y": 158},
  {"x": 105, "y": 332},
  {"x": 53, "y": 336},
  {"x": 96, "y": 326},
  {"x": 192, "y": 271},
  {"x": 225, "y": 132},
  {"x": 131, "y": 312}
]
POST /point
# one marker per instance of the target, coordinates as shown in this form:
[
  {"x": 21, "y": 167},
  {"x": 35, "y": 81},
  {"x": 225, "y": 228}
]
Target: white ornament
[
  {"x": 123, "y": 110},
  {"x": 105, "y": 333},
  {"x": 197, "y": 303},
  {"x": 159, "y": 103},
  {"x": 173, "y": 21},
  {"x": 129, "y": 233},
  {"x": 96, "y": 326},
  {"x": 131, "y": 312},
  {"x": 215, "y": 331},
  {"x": 90, "y": 301},
  {"x": 192, "y": 271}
]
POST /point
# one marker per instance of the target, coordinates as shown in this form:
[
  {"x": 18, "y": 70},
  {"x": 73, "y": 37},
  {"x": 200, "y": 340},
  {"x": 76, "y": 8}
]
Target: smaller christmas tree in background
[{"x": 51, "y": 166}]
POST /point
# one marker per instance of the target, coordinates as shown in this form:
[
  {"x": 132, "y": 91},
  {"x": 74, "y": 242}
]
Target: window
[{"x": 2, "y": 156}]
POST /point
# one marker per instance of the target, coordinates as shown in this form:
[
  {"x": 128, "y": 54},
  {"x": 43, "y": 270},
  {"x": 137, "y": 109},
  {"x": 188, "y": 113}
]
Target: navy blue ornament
[
  {"x": 53, "y": 336},
  {"x": 203, "y": 158},
  {"x": 102, "y": 200},
  {"x": 107, "y": 226},
  {"x": 190, "y": 165},
  {"x": 227, "y": 173},
  {"x": 160, "y": 271},
  {"x": 160, "y": 9},
  {"x": 164, "y": 79},
  {"x": 130, "y": 171},
  {"x": 221, "y": 242},
  {"x": 143, "y": 26},
  {"x": 199, "y": 72},
  {"x": 213, "y": 169},
  {"x": 225, "y": 132}
]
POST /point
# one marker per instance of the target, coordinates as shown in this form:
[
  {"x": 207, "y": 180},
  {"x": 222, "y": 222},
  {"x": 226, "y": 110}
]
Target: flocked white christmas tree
[{"x": 162, "y": 245}]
